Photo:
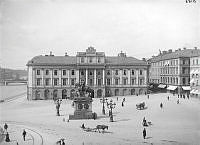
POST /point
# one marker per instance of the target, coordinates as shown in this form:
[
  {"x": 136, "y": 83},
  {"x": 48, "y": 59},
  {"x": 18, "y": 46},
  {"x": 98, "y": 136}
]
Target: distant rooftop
[
  {"x": 121, "y": 59},
  {"x": 166, "y": 55}
]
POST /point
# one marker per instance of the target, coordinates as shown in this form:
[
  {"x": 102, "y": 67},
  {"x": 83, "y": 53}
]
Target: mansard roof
[
  {"x": 52, "y": 60},
  {"x": 176, "y": 54},
  {"x": 71, "y": 60},
  {"x": 117, "y": 60}
]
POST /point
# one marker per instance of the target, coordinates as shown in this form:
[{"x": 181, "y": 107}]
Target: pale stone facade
[
  {"x": 54, "y": 76},
  {"x": 195, "y": 76},
  {"x": 172, "y": 69}
]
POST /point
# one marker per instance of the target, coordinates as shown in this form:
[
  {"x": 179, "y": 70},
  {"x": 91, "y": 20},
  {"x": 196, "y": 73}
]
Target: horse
[{"x": 103, "y": 127}]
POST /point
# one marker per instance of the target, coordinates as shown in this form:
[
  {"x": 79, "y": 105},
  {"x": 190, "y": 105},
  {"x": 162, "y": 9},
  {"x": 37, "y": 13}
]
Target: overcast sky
[{"x": 138, "y": 27}]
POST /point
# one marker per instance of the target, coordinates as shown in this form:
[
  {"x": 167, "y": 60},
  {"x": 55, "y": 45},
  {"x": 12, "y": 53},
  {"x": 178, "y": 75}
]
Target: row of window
[
  {"x": 55, "y": 72},
  {"x": 124, "y": 72},
  {"x": 166, "y": 62},
  {"x": 125, "y": 81},
  {"x": 196, "y": 83},
  {"x": 195, "y": 76},
  {"x": 91, "y": 59},
  {"x": 169, "y": 80},
  {"x": 172, "y": 70},
  {"x": 47, "y": 81},
  {"x": 195, "y": 62}
]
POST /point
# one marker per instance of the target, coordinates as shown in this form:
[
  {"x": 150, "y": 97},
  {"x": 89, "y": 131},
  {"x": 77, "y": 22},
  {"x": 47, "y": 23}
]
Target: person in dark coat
[
  {"x": 24, "y": 134},
  {"x": 144, "y": 123},
  {"x": 62, "y": 141},
  {"x": 7, "y": 137},
  {"x": 5, "y": 127},
  {"x": 168, "y": 98},
  {"x": 148, "y": 96},
  {"x": 144, "y": 133},
  {"x": 83, "y": 126},
  {"x": 161, "y": 105},
  {"x": 122, "y": 103},
  {"x": 124, "y": 99}
]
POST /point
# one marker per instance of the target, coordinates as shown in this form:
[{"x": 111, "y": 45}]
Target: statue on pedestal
[{"x": 82, "y": 102}]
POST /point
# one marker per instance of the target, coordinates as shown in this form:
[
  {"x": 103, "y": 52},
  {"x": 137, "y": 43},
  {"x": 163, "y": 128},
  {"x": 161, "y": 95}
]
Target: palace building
[{"x": 52, "y": 76}]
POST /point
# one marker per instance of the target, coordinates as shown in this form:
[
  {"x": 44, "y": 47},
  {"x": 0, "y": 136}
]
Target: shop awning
[
  {"x": 172, "y": 88},
  {"x": 186, "y": 88},
  {"x": 161, "y": 86},
  {"x": 192, "y": 71},
  {"x": 192, "y": 81},
  {"x": 192, "y": 91},
  {"x": 195, "y": 72},
  {"x": 196, "y": 91}
]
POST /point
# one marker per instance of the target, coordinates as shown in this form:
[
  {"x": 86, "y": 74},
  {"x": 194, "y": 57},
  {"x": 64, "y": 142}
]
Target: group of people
[
  {"x": 7, "y": 134},
  {"x": 61, "y": 142},
  {"x": 183, "y": 96},
  {"x": 145, "y": 124}
]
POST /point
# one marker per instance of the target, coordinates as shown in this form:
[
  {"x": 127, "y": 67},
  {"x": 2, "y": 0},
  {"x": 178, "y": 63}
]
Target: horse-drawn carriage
[
  {"x": 97, "y": 128},
  {"x": 140, "y": 106}
]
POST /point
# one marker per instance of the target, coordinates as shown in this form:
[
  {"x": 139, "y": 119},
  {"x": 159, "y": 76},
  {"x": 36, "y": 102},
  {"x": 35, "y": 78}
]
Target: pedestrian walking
[
  {"x": 63, "y": 142},
  {"x": 168, "y": 97},
  {"x": 124, "y": 100},
  {"x": 178, "y": 101},
  {"x": 122, "y": 103},
  {"x": 144, "y": 123},
  {"x": 144, "y": 133},
  {"x": 5, "y": 127},
  {"x": 161, "y": 105},
  {"x": 148, "y": 96},
  {"x": 83, "y": 126},
  {"x": 117, "y": 98},
  {"x": 24, "y": 134},
  {"x": 188, "y": 96},
  {"x": 7, "y": 137}
]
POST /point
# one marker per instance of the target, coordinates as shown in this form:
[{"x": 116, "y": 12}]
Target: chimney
[
  {"x": 51, "y": 53},
  {"x": 184, "y": 48},
  {"x": 195, "y": 48},
  {"x": 179, "y": 49},
  {"x": 170, "y": 51},
  {"x": 122, "y": 54},
  {"x": 66, "y": 54},
  {"x": 144, "y": 59}
]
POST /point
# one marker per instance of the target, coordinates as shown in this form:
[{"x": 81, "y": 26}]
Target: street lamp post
[
  {"x": 103, "y": 100},
  {"x": 111, "y": 106}
]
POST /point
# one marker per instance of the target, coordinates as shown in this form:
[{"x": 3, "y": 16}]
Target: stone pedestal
[{"x": 83, "y": 108}]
